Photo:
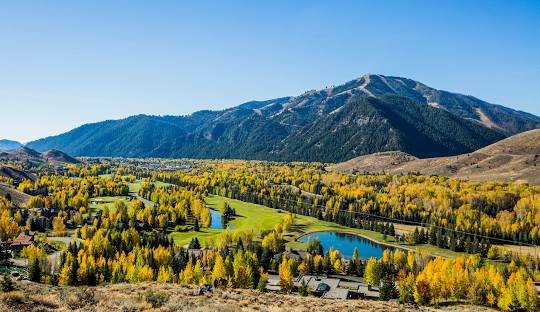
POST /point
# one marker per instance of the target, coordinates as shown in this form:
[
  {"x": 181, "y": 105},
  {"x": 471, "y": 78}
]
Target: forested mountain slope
[{"x": 373, "y": 113}]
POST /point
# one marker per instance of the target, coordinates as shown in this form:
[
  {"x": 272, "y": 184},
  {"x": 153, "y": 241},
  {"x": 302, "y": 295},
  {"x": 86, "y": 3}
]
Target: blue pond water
[
  {"x": 215, "y": 219},
  {"x": 346, "y": 243}
]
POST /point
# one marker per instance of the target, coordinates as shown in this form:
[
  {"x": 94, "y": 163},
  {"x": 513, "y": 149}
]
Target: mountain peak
[{"x": 372, "y": 113}]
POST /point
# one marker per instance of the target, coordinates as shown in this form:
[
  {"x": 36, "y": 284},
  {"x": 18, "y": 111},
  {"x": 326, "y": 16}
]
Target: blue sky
[{"x": 65, "y": 63}]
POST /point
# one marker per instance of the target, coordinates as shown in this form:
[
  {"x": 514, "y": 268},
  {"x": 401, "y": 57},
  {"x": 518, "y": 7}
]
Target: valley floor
[{"x": 173, "y": 297}]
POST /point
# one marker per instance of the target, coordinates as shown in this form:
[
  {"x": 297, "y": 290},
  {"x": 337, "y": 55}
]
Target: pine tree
[
  {"x": 303, "y": 290},
  {"x": 34, "y": 270},
  {"x": 6, "y": 284},
  {"x": 388, "y": 288}
]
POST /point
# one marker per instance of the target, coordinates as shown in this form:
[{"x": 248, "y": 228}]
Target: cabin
[{"x": 25, "y": 238}]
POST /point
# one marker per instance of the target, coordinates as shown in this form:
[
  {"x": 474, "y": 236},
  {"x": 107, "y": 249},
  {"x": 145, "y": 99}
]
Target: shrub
[
  {"x": 155, "y": 298},
  {"x": 79, "y": 298},
  {"x": 13, "y": 297}
]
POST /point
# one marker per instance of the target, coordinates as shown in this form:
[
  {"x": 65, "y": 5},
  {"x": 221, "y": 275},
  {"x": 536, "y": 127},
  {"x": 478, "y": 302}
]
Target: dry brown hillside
[
  {"x": 173, "y": 297},
  {"x": 516, "y": 158},
  {"x": 18, "y": 198}
]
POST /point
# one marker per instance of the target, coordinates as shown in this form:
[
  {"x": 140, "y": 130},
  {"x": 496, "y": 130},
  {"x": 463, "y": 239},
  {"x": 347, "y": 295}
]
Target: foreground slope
[
  {"x": 373, "y": 113},
  {"x": 132, "y": 297},
  {"x": 512, "y": 159}
]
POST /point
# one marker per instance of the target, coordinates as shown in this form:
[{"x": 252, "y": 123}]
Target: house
[
  {"x": 24, "y": 239},
  {"x": 289, "y": 255},
  {"x": 337, "y": 287}
]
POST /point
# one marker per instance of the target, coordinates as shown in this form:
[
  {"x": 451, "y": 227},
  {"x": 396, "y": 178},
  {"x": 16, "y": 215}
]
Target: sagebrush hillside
[
  {"x": 516, "y": 158},
  {"x": 173, "y": 297},
  {"x": 373, "y": 113}
]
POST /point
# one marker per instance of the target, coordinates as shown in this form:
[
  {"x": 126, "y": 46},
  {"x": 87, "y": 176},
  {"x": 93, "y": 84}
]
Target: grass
[
  {"x": 104, "y": 201},
  {"x": 134, "y": 187},
  {"x": 58, "y": 245},
  {"x": 249, "y": 216},
  {"x": 261, "y": 218}
]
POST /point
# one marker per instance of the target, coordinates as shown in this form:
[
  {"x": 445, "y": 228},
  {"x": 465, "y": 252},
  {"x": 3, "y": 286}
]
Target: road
[
  {"x": 146, "y": 202},
  {"x": 52, "y": 259}
]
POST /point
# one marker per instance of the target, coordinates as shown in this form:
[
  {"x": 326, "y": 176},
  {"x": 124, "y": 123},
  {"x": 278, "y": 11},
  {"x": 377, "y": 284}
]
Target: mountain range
[{"x": 373, "y": 113}]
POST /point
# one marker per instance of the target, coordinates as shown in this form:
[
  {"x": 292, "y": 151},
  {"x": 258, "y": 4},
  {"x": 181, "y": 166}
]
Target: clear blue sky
[{"x": 64, "y": 63}]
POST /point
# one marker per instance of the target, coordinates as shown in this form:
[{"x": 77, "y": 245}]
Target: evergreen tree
[
  {"x": 194, "y": 244},
  {"x": 388, "y": 288},
  {"x": 303, "y": 290},
  {"x": 6, "y": 284},
  {"x": 34, "y": 270}
]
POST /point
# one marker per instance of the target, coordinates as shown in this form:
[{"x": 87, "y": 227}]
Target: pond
[
  {"x": 215, "y": 219},
  {"x": 346, "y": 243}
]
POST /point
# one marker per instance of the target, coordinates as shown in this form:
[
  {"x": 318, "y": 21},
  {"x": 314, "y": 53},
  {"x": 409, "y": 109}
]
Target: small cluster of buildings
[{"x": 329, "y": 286}]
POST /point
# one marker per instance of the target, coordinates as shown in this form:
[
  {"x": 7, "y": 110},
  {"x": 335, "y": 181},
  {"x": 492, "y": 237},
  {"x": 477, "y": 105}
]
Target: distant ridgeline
[{"x": 373, "y": 113}]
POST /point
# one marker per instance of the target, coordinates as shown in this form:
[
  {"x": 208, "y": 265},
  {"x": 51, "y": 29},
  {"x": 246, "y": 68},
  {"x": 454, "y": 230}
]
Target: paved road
[
  {"x": 52, "y": 259},
  {"x": 145, "y": 201}
]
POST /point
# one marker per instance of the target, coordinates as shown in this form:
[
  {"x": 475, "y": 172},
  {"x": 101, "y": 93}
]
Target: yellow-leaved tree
[{"x": 285, "y": 276}]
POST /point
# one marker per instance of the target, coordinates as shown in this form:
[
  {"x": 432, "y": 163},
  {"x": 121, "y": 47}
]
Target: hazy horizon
[{"x": 65, "y": 64}]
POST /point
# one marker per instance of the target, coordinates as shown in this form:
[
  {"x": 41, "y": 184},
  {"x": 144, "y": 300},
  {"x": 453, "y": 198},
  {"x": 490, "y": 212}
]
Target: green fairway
[
  {"x": 261, "y": 218},
  {"x": 249, "y": 216},
  {"x": 98, "y": 203},
  {"x": 134, "y": 187}
]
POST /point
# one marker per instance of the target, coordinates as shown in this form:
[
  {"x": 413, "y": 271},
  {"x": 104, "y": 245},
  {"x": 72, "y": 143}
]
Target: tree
[
  {"x": 422, "y": 293},
  {"x": 388, "y": 288},
  {"x": 59, "y": 228},
  {"x": 165, "y": 274},
  {"x": 243, "y": 272},
  {"x": 303, "y": 290},
  {"x": 519, "y": 294},
  {"x": 406, "y": 287},
  {"x": 6, "y": 284},
  {"x": 263, "y": 279},
  {"x": 274, "y": 242},
  {"x": 372, "y": 272},
  {"x": 8, "y": 227},
  {"x": 314, "y": 246},
  {"x": 194, "y": 243},
  {"x": 285, "y": 276},
  {"x": 34, "y": 270},
  {"x": 187, "y": 275},
  {"x": 219, "y": 273}
]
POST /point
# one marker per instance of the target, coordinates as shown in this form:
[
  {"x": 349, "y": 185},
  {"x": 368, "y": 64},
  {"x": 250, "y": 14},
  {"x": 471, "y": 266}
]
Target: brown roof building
[{"x": 24, "y": 239}]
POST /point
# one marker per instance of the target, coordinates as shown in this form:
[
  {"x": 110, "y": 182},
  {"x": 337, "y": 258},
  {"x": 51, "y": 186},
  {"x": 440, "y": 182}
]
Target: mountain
[
  {"x": 58, "y": 156},
  {"x": 512, "y": 159},
  {"x": 29, "y": 156},
  {"x": 8, "y": 145},
  {"x": 373, "y": 113}
]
